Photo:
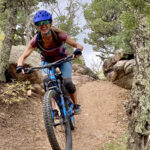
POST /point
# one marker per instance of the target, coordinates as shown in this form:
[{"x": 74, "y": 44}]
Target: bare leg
[
  {"x": 53, "y": 104},
  {"x": 74, "y": 97}
]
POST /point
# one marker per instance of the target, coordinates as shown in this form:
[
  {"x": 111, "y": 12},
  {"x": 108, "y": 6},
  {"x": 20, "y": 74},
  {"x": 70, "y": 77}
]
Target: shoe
[
  {"x": 56, "y": 115},
  {"x": 77, "y": 109}
]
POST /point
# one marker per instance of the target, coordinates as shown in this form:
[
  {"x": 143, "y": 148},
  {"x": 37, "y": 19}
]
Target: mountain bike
[{"x": 56, "y": 99}]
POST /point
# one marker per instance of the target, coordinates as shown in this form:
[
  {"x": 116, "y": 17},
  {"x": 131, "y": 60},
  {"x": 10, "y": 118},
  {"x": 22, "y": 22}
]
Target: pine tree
[
  {"x": 103, "y": 19},
  {"x": 138, "y": 108}
]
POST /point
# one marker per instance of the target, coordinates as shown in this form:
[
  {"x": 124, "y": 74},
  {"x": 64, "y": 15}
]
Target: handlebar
[{"x": 56, "y": 63}]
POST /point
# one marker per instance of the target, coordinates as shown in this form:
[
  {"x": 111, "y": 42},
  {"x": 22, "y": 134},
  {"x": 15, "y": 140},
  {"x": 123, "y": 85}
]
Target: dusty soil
[{"x": 102, "y": 119}]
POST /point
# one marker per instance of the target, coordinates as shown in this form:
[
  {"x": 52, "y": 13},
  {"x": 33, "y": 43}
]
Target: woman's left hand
[{"x": 77, "y": 53}]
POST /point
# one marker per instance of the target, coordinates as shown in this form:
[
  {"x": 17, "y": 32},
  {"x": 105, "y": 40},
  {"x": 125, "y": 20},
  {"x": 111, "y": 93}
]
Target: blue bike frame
[{"x": 61, "y": 103}]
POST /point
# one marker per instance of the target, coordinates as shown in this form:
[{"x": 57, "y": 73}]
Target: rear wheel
[{"x": 58, "y": 131}]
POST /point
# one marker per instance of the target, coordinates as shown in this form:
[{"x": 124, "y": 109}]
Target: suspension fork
[{"x": 64, "y": 110}]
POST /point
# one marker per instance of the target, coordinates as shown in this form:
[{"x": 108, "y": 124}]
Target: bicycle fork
[{"x": 64, "y": 111}]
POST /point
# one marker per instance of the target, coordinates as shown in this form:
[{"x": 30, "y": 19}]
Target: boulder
[
  {"x": 83, "y": 70},
  {"x": 17, "y": 51},
  {"x": 119, "y": 69},
  {"x": 32, "y": 60}
]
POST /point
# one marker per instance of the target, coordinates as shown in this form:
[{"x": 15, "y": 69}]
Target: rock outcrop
[
  {"x": 16, "y": 52},
  {"x": 119, "y": 69},
  {"x": 83, "y": 70},
  {"x": 32, "y": 60}
]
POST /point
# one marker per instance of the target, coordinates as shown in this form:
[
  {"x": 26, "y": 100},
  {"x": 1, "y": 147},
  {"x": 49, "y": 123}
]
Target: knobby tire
[{"x": 49, "y": 124}]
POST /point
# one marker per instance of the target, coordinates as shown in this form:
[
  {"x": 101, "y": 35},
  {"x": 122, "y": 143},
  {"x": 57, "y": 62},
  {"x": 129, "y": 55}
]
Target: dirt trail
[
  {"x": 102, "y": 119},
  {"x": 103, "y": 116}
]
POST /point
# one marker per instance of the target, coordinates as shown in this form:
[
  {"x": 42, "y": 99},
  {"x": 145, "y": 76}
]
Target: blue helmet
[{"x": 42, "y": 15}]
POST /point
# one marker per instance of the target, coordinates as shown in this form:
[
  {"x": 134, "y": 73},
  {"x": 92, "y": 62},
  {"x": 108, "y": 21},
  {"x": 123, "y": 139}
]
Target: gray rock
[
  {"x": 84, "y": 71},
  {"x": 129, "y": 66},
  {"x": 17, "y": 51},
  {"x": 119, "y": 71},
  {"x": 32, "y": 60}
]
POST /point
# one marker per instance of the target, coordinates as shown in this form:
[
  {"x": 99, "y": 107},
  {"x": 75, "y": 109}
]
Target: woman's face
[{"x": 44, "y": 26}]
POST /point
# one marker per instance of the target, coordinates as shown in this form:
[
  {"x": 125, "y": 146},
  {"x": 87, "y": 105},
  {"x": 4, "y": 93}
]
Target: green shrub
[{"x": 15, "y": 92}]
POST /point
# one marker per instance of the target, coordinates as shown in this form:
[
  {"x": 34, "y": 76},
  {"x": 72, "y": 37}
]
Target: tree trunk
[
  {"x": 138, "y": 110},
  {"x": 7, "y": 43}
]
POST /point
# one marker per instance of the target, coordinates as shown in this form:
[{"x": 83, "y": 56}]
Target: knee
[{"x": 69, "y": 85}]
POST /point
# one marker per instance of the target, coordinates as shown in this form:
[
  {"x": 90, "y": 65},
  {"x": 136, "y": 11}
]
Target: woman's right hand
[{"x": 20, "y": 69}]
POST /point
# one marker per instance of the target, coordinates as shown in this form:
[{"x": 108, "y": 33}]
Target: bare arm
[
  {"x": 25, "y": 54},
  {"x": 73, "y": 43}
]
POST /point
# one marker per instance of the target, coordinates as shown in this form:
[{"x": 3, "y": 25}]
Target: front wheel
[{"x": 58, "y": 131}]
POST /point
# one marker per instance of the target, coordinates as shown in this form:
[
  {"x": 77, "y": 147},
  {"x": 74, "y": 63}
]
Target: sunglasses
[{"x": 42, "y": 23}]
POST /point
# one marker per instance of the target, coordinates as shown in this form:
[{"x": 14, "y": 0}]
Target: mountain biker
[{"x": 52, "y": 48}]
